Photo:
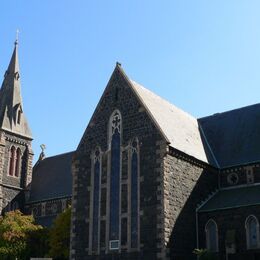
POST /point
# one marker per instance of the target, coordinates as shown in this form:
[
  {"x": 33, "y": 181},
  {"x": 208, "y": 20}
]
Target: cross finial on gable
[{"x": 17, "y": 36}]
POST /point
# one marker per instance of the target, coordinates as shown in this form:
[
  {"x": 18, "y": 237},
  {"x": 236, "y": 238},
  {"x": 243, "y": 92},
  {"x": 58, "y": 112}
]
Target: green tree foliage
[
  {"x": 15, "y": 230},
  {"x": 38, "y": 243},
  {"x": 204, "y": 254},
  {"x": 60, "y": 236}
]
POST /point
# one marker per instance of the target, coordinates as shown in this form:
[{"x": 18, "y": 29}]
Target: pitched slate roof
[
  {"x": 52, "y": 178},
  {"x": 234, "y": 136},
  {"x": 11, "y": 100},
  {"x": 222, "y": 140},
  {"x": 46, "y": 221},
  {"x": 181, "y": 129},
  {"x": 233, "y": 198}
]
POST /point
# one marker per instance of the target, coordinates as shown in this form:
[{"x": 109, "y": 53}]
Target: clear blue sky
[{"x": 203, "y": 56}]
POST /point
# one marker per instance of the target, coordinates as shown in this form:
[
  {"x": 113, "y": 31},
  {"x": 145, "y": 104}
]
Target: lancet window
[
  {"x": 96, "y": 199},
  {"x": 212, "y": 235},
  {"x": 12, "y": 161},
  {"x": 134, "y": 193},
  {"x": 19, "y": 116},
  {"x": 115, "y": 165},
  {"x": 15, "y": 162},
  {"x": 252, "y": 232}
]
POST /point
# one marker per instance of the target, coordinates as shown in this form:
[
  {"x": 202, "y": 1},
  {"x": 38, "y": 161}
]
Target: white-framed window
[
  {"x": 113, "y": 244},
  {"x": 211, "y": 230},
  {"x": 252, "y": 232}
]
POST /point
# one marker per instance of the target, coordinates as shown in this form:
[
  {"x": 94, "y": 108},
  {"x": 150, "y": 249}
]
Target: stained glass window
[
  {"x": 134, "y": 196},
  {"x": 124, "y": 198},
  {"x": 212, "y": 236},
  {"x": 17, "y": 162},
  {"x": 96, "y": 205},
  {"x": 87, "y": 236},
  {"x": 103, "y": 233},
  {"x": 11, "y": 161},
  {"x": 115, "y": 133},
  {"x": 103, "y": 201},
  {"x": 124, "y": 231},
  {"x": 252, "y": 229}
]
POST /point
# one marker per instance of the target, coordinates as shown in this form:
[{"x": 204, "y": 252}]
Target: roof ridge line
[
  {"x": 129, "y": 81},
  {"x": 56, "y": 155},
  {"x": 228, "y": 111}
]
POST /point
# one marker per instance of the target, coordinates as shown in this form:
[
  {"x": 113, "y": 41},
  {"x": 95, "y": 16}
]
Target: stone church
[
  {"x": 35, "y": 189},
  {"x": 147, "y": 180}
]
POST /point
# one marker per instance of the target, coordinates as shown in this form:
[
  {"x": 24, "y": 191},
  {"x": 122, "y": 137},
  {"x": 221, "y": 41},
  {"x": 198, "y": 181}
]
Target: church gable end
[{"x": 117, "y": 165}]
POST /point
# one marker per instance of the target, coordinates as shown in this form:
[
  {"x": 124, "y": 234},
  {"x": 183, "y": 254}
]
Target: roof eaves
[
  {"x": 229, "y": 207},
  {"x": 204, "y": 202},
  {"x": 48, "y": 199}
]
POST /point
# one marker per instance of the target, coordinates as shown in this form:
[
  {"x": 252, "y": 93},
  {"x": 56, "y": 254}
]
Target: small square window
[{"x": 114, "y": 244}]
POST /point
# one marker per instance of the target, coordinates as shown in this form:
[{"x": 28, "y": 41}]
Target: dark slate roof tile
[
  {"x": 45, "y": 221},
  {"x": 233, "y": 198},
  {"x": 180, "y": 128},
  {"x": 52, "y": 178},
  {"x": 234, "y": 136}
]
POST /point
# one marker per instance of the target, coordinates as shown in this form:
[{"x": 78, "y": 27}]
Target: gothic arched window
[
  {"x": 17, "y": 162},
  {"x": 134, "y": 193},
  {"x": 12, "y": 161},
  {"x": 212, "y": 236},
  {"x": 96, "y": 198},
  {"x": 115, "y": 127},
  {"x": 252, "y": 232},
  {"x": 19, "y": 116}
]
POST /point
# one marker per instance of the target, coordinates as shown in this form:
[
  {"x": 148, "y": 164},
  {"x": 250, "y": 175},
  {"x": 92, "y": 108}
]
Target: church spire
[
  {"x": 11, "y": 108},
  {"x": 13, "y": 77}
]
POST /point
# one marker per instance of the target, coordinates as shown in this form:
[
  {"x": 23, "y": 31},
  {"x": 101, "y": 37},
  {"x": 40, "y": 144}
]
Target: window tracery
[{"x": 115, "y": 165}]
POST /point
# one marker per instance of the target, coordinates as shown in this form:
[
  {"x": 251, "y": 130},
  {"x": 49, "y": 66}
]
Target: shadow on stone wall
[{"x": 183, "y": 236}]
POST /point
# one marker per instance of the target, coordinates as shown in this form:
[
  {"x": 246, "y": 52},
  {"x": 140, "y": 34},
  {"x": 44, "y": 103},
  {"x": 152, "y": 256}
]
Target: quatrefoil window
[{"x": 232, "y": 178}]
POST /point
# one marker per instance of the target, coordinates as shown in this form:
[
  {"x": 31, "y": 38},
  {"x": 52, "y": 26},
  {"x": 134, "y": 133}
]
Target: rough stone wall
[
  {"x": 230, "y": 219},
  {"x": 186, "y": 184},
  {"x": 2, "y": 160},
  {"x": 13, "y": 187},
  {"x": 135, "y": 123}
]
